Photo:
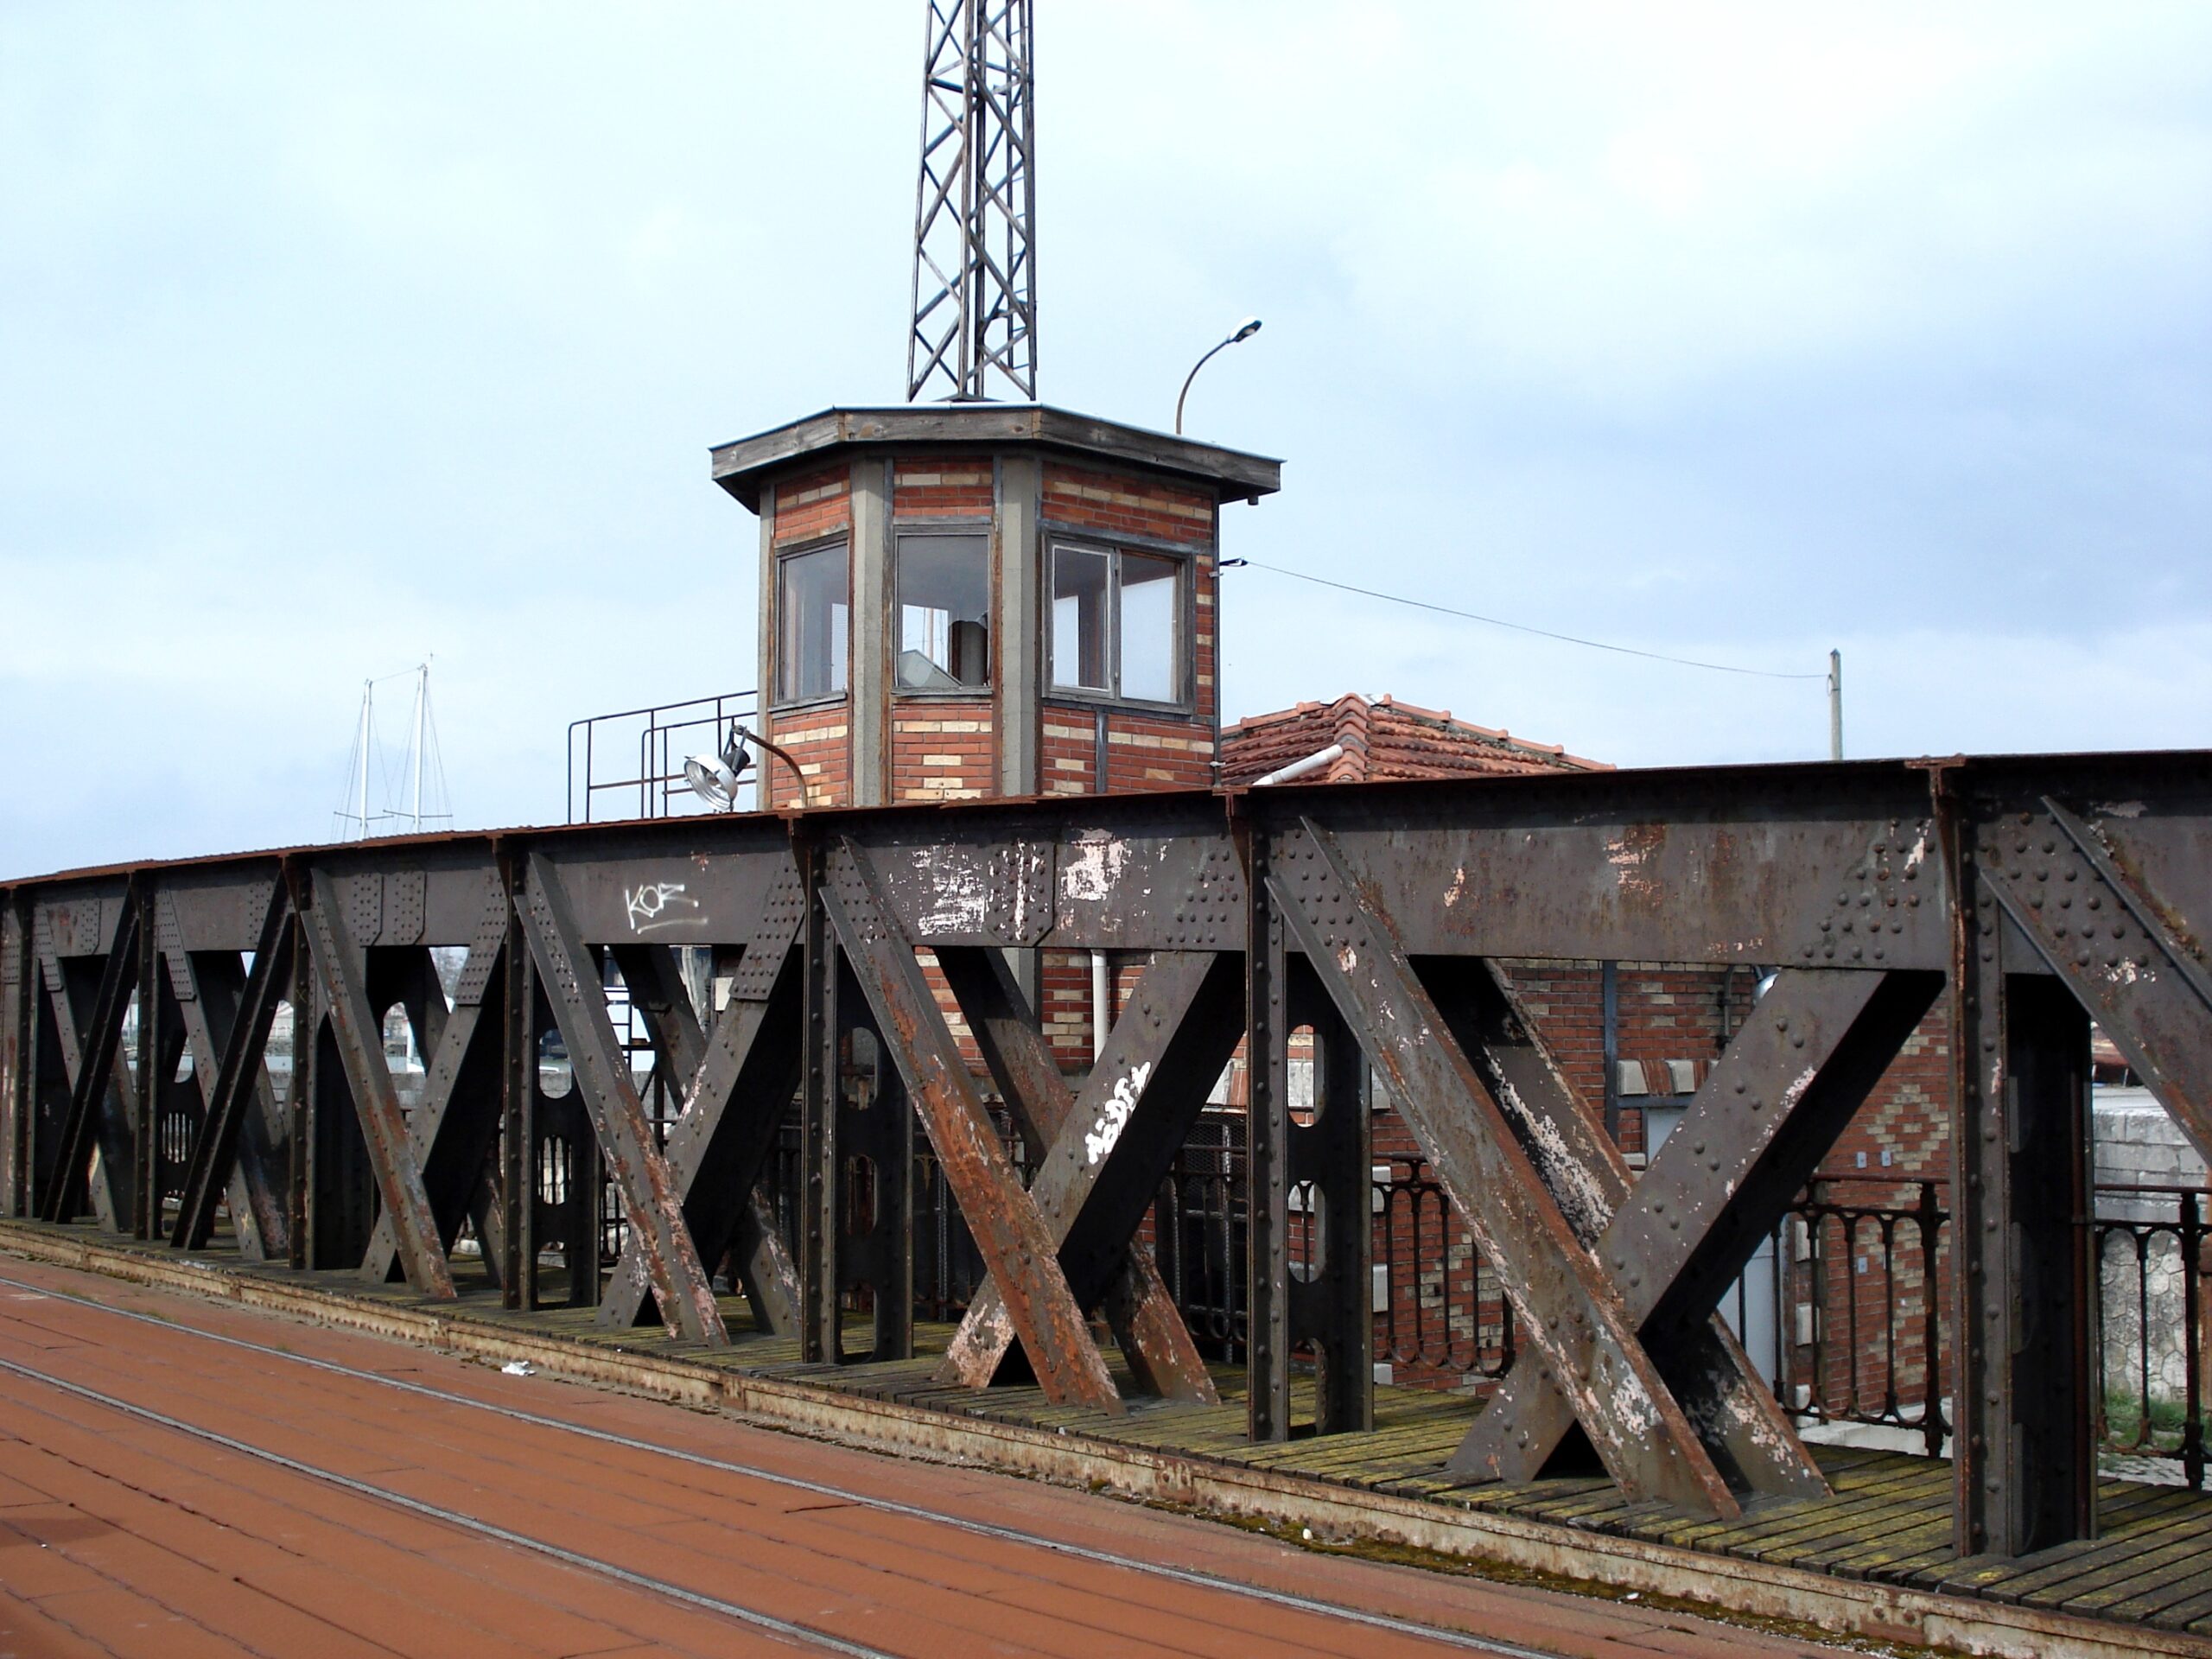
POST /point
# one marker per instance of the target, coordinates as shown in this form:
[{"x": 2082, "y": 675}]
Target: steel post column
[
  {"x": 874, "y": 1188},
  {"x": 1267, "y": 1155},
  {"x": 1331, "y": 1294},
  {"x": 18, "y": 969},
  {"x": 2024, "y": 1464},
  {"x": 146, "y": 1162},
  {"x": 820, "y": 1339},
  {"x": 517, "y": 1182}
]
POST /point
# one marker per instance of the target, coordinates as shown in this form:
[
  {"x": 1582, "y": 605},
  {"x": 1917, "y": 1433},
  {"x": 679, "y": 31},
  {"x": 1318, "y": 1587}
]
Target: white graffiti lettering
[
  {"x": 660, "y": 905},
  {"x": 1106, "y": 1128}
]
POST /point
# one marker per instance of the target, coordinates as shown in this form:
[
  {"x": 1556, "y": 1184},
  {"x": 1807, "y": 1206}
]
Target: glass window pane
[
  {"x": 811, "y": 602},
  {"x": 944, "y": 612},
  {"x": 1149, "y": 604},
  {"x": 1079, "y": 618}
]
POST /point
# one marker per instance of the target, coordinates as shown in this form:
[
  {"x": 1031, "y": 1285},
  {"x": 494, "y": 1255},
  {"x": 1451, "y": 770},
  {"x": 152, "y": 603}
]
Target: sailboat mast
[
  {"x": 368, "y": 699},
  {"x": 422, "y": 713}
]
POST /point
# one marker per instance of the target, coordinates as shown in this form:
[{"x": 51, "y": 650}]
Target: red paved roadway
[{"x": 120, "y": 1535}]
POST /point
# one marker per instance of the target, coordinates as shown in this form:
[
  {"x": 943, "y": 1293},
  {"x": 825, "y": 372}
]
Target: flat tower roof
[{"x": 742, "y": 466}]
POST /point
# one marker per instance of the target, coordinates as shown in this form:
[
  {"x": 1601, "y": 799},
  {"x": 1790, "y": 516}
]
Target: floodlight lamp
[{"x": 712, "y": 780}]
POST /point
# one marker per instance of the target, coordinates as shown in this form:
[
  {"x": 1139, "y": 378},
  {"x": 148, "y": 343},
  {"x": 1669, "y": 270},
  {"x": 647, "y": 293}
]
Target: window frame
[
  {"x": 902, "y": 533},
  {"x": 777, "y": 701},
  {"x": 1181, "y": 654}
]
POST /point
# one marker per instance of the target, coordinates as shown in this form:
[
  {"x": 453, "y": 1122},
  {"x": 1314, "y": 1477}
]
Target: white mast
[
  {"x": 368, "y": 698},
  {"x": 422, "y": 712}
]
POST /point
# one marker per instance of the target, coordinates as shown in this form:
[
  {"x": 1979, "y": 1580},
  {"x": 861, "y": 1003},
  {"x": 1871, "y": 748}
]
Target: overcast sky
[{"x": 335, "y": 336}]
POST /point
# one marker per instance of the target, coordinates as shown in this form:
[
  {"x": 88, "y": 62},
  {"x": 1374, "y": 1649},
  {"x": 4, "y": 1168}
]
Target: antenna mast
[{"x": 974, "y": 209}]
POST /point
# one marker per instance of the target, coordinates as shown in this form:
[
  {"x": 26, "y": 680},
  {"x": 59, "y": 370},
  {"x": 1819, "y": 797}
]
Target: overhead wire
[{"x": 1517, "y": 627}]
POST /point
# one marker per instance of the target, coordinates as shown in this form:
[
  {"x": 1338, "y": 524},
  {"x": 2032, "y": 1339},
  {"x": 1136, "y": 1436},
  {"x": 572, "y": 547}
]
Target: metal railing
[
  {"x": 1858, "y": 1334},
  {"x": 629, "y": 764},
  {"x": 1859, "y": 1328},
  {"x": 2149, "y": 1248}
]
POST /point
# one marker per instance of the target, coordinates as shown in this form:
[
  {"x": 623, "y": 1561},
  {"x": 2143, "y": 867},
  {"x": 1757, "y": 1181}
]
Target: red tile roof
[{"x": 1383, "y": 741}]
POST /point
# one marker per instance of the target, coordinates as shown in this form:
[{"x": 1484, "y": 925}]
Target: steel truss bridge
[{"x": 2039, "y": 891}]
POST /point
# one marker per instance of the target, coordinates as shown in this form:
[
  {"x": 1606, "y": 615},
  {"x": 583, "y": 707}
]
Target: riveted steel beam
[
  {"x": 651, "y": 1197},
  {"x": 92, "y": 1073},
  {"x": 2119, "y": 945},
  {"x": 1569, "y": 1305},
  {"x": 1016, "y": 1246},
  {"x": 716, "y": 1155},
  {"x": 1081, "y": 1135},
  {"x": 238, "y": 1097},
  {"x": 359, "y": 1034}
]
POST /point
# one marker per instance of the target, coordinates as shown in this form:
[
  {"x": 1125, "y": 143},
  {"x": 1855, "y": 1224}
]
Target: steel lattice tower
[{"x": 975, "y": 262}]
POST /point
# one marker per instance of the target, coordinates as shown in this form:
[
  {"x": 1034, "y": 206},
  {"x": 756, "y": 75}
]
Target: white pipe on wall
[
  {"x": 1101, "y": 1003},
  {"x": 1313, "y": 762}
]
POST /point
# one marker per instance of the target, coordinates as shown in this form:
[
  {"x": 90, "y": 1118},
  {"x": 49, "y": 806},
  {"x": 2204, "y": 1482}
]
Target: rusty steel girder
[{"x": 2033, "y": 893}]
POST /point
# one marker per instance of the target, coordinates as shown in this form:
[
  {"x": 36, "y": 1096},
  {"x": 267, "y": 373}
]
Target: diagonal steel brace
[
  {"x": 359, "y": 1035},
  {"x": 1017, "y": 1247},
  {"x": 716, "y": 1067},
  {"x": 2119, "y": 947},
  {"x": 235, "y": 1095},
  {"x": 1569, "y": 1305},
  {"x": 650, "y": 1197},
  {"x": 1143, "y": 1315},
  {"x": 1766, "y": 1113},
  {"x": 95, "y": 1057}
]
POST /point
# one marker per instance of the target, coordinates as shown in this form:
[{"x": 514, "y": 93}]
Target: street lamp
[{"x": 1245, "y": 331}]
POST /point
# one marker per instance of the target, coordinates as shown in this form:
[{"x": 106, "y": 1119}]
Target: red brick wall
[
  {"x": 814, "y": 504},
  {"x": 1145, "y": 752},
  {"x": 820, "y": 740},
  {"x": 1068, "y": 752},
  {"x": 1111, "y": 504},
  {"x": 942, "y": 749},
  {"x": 950, "y": 486}
]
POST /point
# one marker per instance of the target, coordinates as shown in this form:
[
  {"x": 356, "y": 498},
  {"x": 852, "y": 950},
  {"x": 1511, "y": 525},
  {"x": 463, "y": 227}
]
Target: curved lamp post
[{"x": 1245, "y": 331}]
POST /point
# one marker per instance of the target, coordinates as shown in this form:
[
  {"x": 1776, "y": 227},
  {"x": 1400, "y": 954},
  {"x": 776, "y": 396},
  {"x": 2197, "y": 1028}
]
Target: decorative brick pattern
[
  {"x": 820, "y": 740},
  {"x": 947, "y": 487},
  {"x": 815, "y": 503},
  {"x": 1110, "y": 505},
  {"x": 1146, "y": 752},
  {"x": 943, "y": 750}
]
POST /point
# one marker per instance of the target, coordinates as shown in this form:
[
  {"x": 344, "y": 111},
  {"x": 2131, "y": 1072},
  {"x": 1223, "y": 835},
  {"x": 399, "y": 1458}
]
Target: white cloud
[{"x": 334, "y": 338}]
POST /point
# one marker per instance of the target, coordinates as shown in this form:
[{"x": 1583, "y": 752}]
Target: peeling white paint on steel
[
  {"x": 1093, "y": 869},
  {"x": 960, "y": 895}
]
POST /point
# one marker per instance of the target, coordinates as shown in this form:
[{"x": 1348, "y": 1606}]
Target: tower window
[
  {"x": 1117, "y": 624},
  {"x": 944, "y": 612},
  {"x": 813, "y": 603}
]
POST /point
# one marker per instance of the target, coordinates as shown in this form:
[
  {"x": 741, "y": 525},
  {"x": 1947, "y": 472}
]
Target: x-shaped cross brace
[
  {"x": 1017, "y": 1247},
  {"x": 103, "y": 1104},
  {"x": 751, "y": 1056},
  {"x": 449, "y": 1145},
  {"x": 231, "y": 1155},
  {"x": 1134, "y": 1077},
  {"x": 1528, "y": 1169}
]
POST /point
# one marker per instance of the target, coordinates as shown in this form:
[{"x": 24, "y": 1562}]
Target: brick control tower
[{"x": 983, "y": 600}]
